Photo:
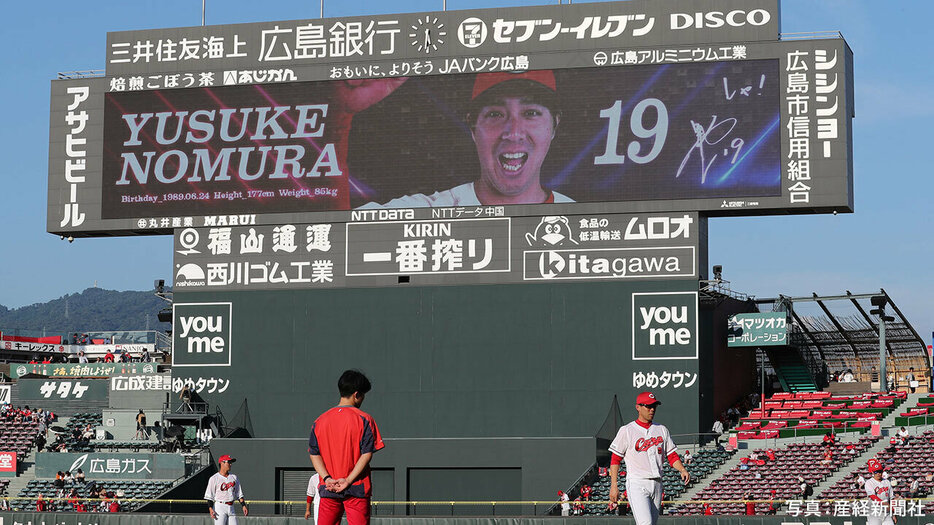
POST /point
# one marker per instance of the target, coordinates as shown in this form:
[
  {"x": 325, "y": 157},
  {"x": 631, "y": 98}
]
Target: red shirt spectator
[
  {"x": 708, "y": 510},
  {"x": 109, "y": 358},
  {"x": 585, "y": 492},
  {"x": 770, "y": 454}
]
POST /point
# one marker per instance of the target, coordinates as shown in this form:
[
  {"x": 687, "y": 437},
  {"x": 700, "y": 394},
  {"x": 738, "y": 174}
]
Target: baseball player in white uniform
[
  {"x": 880, "y": 493},
  {"x": 644, "y": 446},
  {"x": 312, "y": 497},
  {"x": 222, "y": 492}
]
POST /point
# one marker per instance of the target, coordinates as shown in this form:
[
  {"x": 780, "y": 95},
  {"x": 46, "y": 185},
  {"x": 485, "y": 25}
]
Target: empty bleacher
[
  {"x": 18, "y": 436},
  {"x": 812, "y": 413}
]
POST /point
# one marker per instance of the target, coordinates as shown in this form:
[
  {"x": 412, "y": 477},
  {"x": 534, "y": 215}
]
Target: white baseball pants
[
  {"x": 645, "y": 499},
  {"x": 226, "y": 515}
]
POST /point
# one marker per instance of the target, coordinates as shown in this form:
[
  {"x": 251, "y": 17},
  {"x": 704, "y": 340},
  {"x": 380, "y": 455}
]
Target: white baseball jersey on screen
[
  {"x": 880, "y": 489},
  {"x": 223, "y": 489},
  {"x": 645, "y": 450}
]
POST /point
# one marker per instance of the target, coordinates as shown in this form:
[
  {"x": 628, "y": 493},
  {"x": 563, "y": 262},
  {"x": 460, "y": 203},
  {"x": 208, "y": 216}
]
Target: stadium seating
[
  {"x": 781, "y": 475},
  {"x": 18, "y": 437},
  {"x": 788, "y": 414},
  {"x": 132, "y": 490},
  {"x": 908, "y": 462},
  {"x": 920, "y": 414},
  {"x": 78, "y": 422}
]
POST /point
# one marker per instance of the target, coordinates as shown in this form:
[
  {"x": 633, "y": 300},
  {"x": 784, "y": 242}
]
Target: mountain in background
[{"x": 94, "y": 309}]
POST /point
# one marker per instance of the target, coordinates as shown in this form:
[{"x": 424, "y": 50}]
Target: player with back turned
[
  {"x": 643, "y": 445},
  {"x": 341, "y": 444}
]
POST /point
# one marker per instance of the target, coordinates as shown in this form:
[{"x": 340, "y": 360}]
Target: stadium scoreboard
[{"x": 658, "y": 108}]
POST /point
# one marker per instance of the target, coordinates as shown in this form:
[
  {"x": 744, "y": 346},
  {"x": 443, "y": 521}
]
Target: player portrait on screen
[{"x": 512, "y": 119}]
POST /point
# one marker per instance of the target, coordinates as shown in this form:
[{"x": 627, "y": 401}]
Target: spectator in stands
[
  {"x": 744, "y": 464},
  {"x": 4, "y": 504},
  {"x": 688, "y": 458},
  {"x": 893, "y": 445},
  {"x": 59, "y": 483},
  {"x": 914, "y": 490},
  {"x": 73, "y": 498},
  {"x": 115, "y": 502},
  {"x": 109, "y": 357},
  {"x": 806, "y": 489},
  {"x": 860, "y": 481},
  {"x": 47, "y": 360},
  {"x": 708, "y": 510},
  {"x": 830, "y": 438},
  {"x": 144, "y": 358},
  {"x": 81, "y": 357},
  {"x": 848, "y": 376},
  {"x": 40, "y": 503},
  {"x": 929, "y": 477},
  {"x": 79, "y": 477},
  {"x": 903, "y": 435},
  {"x": 770, "y": 454},
  {"x": 750, "y": 505},
  {"x": 828, "y": 456},
  {"x": 578, "y": 506},
  {"x": 185, "y": 396},
  {"x": 717, "y": 430},
  {"x": 912, "y": 381},
  {"x": 34, "y": 360},
  {"x": 773, "y": 508},
  {"x": 68, "y": 478},
  {"x": 585, "y": 492}
]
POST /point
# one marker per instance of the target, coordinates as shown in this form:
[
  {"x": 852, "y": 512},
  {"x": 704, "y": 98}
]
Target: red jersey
[{"x": 340, "y": 436}]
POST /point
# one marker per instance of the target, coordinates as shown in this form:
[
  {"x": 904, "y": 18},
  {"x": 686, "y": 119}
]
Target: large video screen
[{"x": 660, "y": 132}]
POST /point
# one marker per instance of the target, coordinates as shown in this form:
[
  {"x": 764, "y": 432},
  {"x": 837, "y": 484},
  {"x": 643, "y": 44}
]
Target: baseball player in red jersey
[
  {"x": 880, "y": 492},
  {"x": 643, "y": 445},
  {"x": 341, "y": 444},
  {"x": 222, "y": 492}
]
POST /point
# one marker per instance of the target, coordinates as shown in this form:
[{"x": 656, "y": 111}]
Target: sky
[{"x": 886, "y": 243}]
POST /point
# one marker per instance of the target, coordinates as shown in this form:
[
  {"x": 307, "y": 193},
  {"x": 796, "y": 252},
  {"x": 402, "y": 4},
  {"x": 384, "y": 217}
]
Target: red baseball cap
[
  {"x": 226, "y": 458},
  {"x": 485, "y": 81},
  {"x": 647, "y": 398},
  {"x": 874, "y": 465}
]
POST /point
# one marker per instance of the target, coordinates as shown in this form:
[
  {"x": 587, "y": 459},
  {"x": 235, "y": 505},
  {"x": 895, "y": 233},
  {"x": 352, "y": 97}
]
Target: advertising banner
[
  {"x": 92, "y": 350},
  {"x": 62, "y": 389},
  {"x": 101, "y": 465},
  {"x": 81, "y": 369},
  {"x": 274, "y": 48},
  {"x": 7, "y": 464},
  {"x": 468, "y": 250},
  {"x": 758, "y": 329}
]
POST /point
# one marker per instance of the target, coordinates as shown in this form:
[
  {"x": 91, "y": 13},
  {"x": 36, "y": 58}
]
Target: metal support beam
[
  {"x": 814, "y": 341},
  {"x": 875, "y": 327},
  {"x": 837, "y": 324}
]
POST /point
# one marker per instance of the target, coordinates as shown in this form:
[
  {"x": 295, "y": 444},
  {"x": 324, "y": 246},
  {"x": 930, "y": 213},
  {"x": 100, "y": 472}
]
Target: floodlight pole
[
  {"x": 322, "y": 9},
  {"x": 883, "y": 376},
  {"x": 202, "y": 11}
]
